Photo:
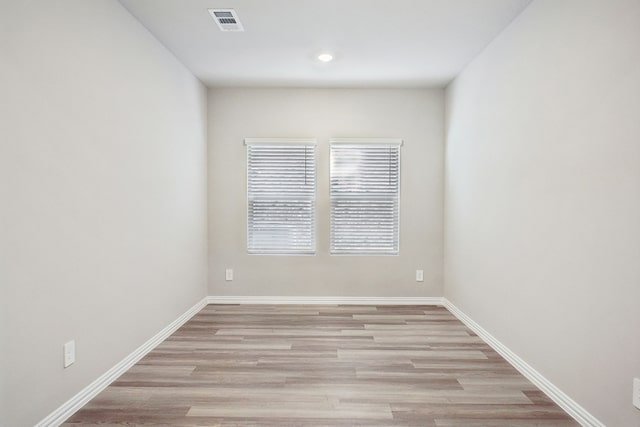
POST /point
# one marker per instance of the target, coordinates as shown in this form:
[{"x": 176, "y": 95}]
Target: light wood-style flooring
[{"x": 323, "y": 365}]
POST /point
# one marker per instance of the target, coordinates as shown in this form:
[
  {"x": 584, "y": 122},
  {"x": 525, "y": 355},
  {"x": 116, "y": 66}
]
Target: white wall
[
  {"x": 543, "y": 197},
  {"x": 102, "y": 195},
  {"x": 414, "y": 115}
]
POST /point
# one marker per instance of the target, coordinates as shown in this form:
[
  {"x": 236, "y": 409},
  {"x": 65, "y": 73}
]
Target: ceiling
[{"x": 376, "y": 43}]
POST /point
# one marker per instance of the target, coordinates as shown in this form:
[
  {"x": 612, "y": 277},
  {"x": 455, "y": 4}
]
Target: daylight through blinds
[
  {"x": 281, "y": 187},
  {"x": 365, "y": 197}
]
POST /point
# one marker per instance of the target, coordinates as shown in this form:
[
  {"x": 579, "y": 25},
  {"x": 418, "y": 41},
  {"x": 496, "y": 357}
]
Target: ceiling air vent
[{"x": 226, "y": 19}]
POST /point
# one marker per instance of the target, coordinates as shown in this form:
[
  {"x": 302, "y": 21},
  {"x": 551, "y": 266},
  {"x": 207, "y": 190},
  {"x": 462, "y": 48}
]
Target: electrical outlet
[
  {"x": 228, "y": 274},
  {"x": 636, "y": 392},
  {"x": 69, "y": 353},
  {"x": 419, "y": 275}
]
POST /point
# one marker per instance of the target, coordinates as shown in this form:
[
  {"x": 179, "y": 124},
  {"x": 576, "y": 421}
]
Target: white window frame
[
  {"x": 284, "y": 142},
  {"x": 367, "y": 141}
]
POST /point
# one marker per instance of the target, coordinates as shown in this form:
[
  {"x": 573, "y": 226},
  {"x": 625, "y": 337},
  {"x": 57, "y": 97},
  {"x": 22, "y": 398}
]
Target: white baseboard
[
  {"x": 325, "y": 300},
  {"x": 67, "y": 409},
  {"x": 580, "y": 414}
]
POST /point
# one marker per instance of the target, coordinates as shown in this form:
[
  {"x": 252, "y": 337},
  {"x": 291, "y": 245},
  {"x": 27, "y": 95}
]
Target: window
[
  {"x": 281, "y": 193},
  {"x": 365, "y": 196}
]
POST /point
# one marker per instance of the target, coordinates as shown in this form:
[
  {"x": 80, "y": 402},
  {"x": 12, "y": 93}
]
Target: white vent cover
[{"x": 227, "y": 19}]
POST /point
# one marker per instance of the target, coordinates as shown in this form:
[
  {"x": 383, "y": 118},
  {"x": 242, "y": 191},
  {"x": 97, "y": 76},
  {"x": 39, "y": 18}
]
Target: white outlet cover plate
[
  {"x": 228, "y": 274},
  {"x": 69, "y": 353},
  {"x": 636, "y": 392},
  {"x": 419, "y": 275}
]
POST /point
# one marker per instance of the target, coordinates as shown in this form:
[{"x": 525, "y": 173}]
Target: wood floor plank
[{"x": 322, "y": 365}]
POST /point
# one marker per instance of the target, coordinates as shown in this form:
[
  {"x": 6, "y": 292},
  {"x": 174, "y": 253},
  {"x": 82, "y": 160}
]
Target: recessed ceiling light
[{"x": 325, "y": 57}]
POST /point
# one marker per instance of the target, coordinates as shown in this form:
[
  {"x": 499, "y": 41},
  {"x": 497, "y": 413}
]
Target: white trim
[
  {"x": 324, "y": 300},
  {"x": 72, "y": 405},
  {"x": 388, "y": 141},
  {"x": 276, "y": 141},
  {"x": 580, "y": 414}
]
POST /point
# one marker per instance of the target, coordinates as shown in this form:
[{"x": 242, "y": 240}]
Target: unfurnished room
[{"x": 418, "y": 213}]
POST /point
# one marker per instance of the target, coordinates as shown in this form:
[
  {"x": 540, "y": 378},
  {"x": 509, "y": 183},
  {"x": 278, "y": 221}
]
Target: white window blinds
[
  {"x": 281, "y": 191},
  {"x": 365, "y": 196}
]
